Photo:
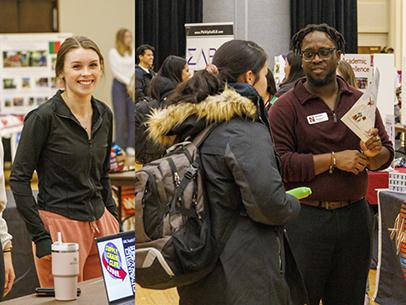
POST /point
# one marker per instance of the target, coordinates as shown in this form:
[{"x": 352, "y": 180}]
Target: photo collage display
[{"x": 27, "y": 70}]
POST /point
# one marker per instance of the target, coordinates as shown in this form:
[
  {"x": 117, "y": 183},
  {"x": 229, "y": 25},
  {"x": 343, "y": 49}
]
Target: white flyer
[{"x": 361, "y": 117}]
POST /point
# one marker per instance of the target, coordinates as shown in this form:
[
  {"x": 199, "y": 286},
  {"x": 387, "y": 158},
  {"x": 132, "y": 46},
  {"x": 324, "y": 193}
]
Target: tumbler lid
[
  {"x": 68, "y": 247},
  {"x": 58, "y": 245}
]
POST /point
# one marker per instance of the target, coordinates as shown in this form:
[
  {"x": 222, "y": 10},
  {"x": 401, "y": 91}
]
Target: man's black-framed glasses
[{"x": 323, "y": 53}]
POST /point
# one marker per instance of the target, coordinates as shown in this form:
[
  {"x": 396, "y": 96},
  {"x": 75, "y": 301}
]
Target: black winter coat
[
  {"x": 142, "y": 82},
  {"x": 244, "y": 190},
  {"x": 145, "y": 149}
]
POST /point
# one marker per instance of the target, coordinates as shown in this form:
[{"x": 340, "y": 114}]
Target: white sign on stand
[
  {"x": 387, "y": 83},
  {"x": 27, "y": 70},
  {"x": 202, "y": 41}
]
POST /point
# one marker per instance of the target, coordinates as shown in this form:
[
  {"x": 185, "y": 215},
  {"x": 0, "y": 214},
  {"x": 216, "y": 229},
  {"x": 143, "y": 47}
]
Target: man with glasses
[{"x": 330, "y": 238}]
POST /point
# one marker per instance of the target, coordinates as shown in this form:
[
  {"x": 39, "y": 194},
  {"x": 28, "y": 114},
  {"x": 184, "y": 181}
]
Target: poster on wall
[
  {"x": 362, "y": 64},
  {"x": 202, "y": 41},
  {"x": 27, "y": 70}
]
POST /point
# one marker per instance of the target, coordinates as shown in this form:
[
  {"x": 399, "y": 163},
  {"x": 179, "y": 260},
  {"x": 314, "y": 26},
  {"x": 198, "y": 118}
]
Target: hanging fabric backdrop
[
  {"x": 340, "y": 14},
  {"x": 161, "y": 23}
]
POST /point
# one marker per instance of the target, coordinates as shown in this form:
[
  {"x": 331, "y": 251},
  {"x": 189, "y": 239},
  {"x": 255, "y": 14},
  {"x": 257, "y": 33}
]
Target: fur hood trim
[{"x": 214, "y": 109}]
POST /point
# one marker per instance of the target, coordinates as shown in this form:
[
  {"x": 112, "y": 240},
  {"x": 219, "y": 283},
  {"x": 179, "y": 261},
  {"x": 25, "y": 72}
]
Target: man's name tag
[{"x": 317, "y": 118}]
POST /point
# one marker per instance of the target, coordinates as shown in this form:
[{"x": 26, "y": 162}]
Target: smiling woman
[
  {"x": 80, "y": 69},
  {"x": 81, "y": 72},
  {"x": 67, "y": 141}
]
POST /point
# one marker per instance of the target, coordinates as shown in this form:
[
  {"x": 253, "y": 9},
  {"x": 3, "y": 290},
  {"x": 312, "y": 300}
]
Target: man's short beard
[{"x": 315, "y": 82}]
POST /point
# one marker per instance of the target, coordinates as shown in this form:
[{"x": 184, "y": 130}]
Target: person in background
[
  {"x": 398, "y": 104},
  {"x": 144, "y": 58},
  {"x": 270, "y": 98},
  {"x": 331, "y": 237},
  {"x": 293, "y": 72},
  {"x": 67, "y": 140},
  {"x": 345, "y": 70},
  {"x": 173, "y": 71},
  {"x": 387, "y": 50},
  {"x": 247, "y": 200},
  {"x": 7, "y": 274},
  {"x": 131, "y": 88},
  {"x": 122, "y": 63}
]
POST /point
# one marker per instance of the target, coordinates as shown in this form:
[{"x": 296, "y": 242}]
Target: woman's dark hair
[
  {"x": 236, "y": 57},
  {"x": 271, "y": 86},
  {"x": 197, "y": 88},
  {"x": 296, "y": 70},
  {"x": 172, "y": 68},
  {"x": 336, "y": 36},
  {"x": 170, "y": 72}
]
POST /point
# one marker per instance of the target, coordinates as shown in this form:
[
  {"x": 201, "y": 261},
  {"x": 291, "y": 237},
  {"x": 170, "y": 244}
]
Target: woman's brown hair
[
  {"x": 75, "y": 42},
  {"x": 345, "y": 70}
]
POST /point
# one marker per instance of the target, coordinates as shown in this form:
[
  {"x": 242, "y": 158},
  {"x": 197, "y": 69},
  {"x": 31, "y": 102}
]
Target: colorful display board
[
  {"x": 362, "y": 64},
  {"x": 27, "y": 70}
]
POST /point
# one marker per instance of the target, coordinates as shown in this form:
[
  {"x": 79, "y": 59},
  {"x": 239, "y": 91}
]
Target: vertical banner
[
  {"x": 202, "y": 41},
  {"x": 391, "y": 269},
  {"x": 385, "y": 63},
  {"x": 362, "y": 67},
  {"x": 27, "y": 70}
]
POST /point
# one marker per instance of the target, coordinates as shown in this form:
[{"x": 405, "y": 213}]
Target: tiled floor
[{"x": 156, "y": 297}]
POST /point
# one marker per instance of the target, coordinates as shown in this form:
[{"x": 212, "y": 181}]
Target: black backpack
[{"x": 174, "y": 244}]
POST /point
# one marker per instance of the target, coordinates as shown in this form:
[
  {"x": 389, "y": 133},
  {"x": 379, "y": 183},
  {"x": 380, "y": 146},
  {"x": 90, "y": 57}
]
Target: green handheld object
[{"x": 300, "y": 192}]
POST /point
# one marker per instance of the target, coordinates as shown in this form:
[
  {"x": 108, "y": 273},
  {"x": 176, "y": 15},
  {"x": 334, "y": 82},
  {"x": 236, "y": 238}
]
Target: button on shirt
[{"x": 297, "y": 141}]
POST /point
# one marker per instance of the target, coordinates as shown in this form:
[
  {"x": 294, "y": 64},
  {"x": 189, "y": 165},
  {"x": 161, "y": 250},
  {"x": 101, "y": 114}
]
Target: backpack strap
[
  {"x": 191, "y": 172},
  {"x": 201, "y": 136}
]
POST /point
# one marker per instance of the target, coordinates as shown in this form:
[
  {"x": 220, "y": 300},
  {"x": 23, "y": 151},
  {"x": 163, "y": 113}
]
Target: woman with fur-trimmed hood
[{"x": 244, "y": 188}]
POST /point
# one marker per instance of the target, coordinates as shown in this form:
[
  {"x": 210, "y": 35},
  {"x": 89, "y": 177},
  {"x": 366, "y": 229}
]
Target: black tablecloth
[
  {"x": 26, "y": 276},
  {"x": 391, "y": 286}
]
